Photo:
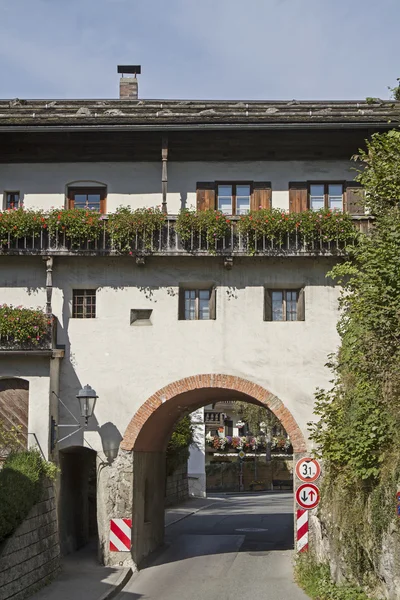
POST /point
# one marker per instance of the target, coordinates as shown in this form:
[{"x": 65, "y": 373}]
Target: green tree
[
  {"x": 179, "y": 444},
  {"x": 253, "y": 415}
]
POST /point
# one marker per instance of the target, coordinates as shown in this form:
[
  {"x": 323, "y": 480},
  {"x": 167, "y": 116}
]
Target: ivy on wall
[{"x": 359, "y": 417}]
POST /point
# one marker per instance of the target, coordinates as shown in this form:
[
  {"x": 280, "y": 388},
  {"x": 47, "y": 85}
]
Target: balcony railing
[
  {"x": 165, "y": 241},
  {"x": 46, "y": 342}
]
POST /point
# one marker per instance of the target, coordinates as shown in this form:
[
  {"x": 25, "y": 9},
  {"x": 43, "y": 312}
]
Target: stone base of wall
[
  {"x": 197, "y": 485},
  {"x": 30, "y": 558},
  {"x": 177, "y": 488}
]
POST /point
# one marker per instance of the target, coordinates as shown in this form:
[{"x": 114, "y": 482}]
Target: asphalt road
[{"x": 239, "y": 547}]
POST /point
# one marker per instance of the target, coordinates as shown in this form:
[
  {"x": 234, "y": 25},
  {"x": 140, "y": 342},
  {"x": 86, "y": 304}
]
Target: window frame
[
  {"x": 6, "y": 193},
  {"x": 84, "y": 292},
  {"x": 197, "y": 288},
  {"x": 300, "y": 304},
  {"x": 234, "y": 185},
  {"x": 326, "y": 185},
  {"x": 77, "y": 189}
]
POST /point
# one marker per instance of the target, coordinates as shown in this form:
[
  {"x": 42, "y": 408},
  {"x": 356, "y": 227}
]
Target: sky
[{"x": 200, "y": 49}]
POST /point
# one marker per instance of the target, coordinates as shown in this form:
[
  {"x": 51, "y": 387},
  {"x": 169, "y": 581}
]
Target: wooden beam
[{"x": 164, "y": 174}]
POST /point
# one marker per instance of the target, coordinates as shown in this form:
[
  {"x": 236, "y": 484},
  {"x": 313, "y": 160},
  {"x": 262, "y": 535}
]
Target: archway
[
  {"x": 148, "y": 433},
  {"x": 166, "y": 406}
]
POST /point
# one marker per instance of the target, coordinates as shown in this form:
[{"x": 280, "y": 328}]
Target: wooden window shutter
[
  {"x": 298, "y": 196},
  {"x": 268, "y": 306},
  {"x": 262, "y": 194},
  {"x": 205, "y": 195},
  {"x": 213, "y": 303},
  {"x": 301, "y": 306},
  {"x": 354, "y": 198},
  {"x": 103, "y": 203},
  {"x": 181, "y": 305}
]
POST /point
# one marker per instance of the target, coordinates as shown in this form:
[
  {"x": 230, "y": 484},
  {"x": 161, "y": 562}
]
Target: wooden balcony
[{"x": 165, "y": 241}]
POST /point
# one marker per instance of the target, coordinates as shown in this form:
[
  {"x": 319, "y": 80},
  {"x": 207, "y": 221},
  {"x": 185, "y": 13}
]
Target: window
[
  {"x": 234, "y": 199},
  {"x": 326, "y": 195},
  {"x": 84, "y": 304},
  {"x": 11, "y": 200},
  {"x": 89, "y": 198},
  {"x": 284, "y": 305},
  {"x": 196, "y": 304}
]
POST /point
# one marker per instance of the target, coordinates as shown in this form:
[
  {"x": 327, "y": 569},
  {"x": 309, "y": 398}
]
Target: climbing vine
[{"x": 360, "y": 416}]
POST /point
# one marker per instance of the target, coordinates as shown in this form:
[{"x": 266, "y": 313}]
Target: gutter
[{"x": 199, "y": 126}]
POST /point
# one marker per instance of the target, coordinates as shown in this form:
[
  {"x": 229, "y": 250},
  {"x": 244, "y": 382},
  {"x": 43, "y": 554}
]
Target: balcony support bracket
[
  {"x": 164, "y": 174},
  {"x": 228, "y": 262},
  {"x": 49, "y": 283}
]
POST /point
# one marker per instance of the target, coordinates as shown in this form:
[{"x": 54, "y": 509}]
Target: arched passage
[
  {"x": 148, "y": 433},
  {"x": 159, "y": 413}
]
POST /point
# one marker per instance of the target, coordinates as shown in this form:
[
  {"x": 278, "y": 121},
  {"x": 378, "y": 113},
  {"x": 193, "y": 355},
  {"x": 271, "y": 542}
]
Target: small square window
[
  {"x": 196, "y": 304},
  {"x": 284, "y": 305},
  {"x": 141, "y": 316},
  {"x": 11, "y": 200},
  {"x": 84, "y": 304}
]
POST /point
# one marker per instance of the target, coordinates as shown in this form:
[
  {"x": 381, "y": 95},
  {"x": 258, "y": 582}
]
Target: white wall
[
  {"x": 197, "y": 462},
  {"x": 138, "y": 184},
  {"x": 36, "y": 371},
  {"x": 127, "y": 364}
]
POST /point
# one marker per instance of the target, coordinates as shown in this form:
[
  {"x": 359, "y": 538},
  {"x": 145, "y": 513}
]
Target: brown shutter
[
  {"x": 181, "y": 304},
  {"x": 354, "y": 198},
  {"x": 268, "y": 306},
  {"x": 261, "y": 197},
  {"x": 213, "y": 303},
  {"x": 301, "y": 306},
  {"x": 298, "y": 196},
  {"x": 103, "y": 203},
  {"x": 205, "y": 193}
]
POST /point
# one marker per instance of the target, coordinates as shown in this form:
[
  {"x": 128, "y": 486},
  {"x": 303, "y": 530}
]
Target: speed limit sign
[{"x": 308, "y": 469}]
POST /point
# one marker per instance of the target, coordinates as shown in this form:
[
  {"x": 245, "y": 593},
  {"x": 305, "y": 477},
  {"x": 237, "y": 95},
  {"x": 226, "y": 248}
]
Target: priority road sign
[
  {"x": 308, "y": 469},
  {"x": 307, "y": 496},
  {"x": 242, "y": 455}
]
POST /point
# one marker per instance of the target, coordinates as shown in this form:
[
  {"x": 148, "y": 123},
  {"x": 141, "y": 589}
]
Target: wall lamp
[{"x": 87, "y": 400}]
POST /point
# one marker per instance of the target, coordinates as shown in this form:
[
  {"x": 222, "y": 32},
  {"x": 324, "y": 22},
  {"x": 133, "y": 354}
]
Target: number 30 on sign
[{"x": 308, "y": 469}]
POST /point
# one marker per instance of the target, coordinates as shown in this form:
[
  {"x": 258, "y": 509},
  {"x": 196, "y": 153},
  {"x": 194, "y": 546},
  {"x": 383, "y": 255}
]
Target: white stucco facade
[
  {"x": 126, "y": 364},
  {"x": 139, "y": 184}
]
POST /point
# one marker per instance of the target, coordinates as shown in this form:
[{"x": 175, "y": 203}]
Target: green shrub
[{"x": 20, "y": 488}]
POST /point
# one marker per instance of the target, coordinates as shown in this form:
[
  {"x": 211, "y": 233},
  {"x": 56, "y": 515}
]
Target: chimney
[{"x": 128, "y": 86}]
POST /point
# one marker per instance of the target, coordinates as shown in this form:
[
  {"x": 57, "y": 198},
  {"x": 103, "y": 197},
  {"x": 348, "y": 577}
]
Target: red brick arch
[{"x": 171, "y": 400}]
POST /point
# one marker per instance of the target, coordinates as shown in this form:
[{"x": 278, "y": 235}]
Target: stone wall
[
  {"x": 177, "y": 487},
  {"x": 384, "y": 565},
  {"x": 30, "y": 558}
]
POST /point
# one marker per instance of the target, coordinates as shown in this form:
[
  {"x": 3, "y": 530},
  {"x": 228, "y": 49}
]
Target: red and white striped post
[
  {"x": 302, "y": 530},
  {"x": 120, "y": 535}
]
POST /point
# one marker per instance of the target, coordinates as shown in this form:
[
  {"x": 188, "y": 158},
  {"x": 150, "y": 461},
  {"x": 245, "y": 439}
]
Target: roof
[{"x": 154, "y": 114}]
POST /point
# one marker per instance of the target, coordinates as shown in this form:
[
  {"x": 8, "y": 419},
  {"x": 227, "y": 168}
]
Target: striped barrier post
[
  {"x": 120, "y": 535},
  {"x": 302, "y": 530}
]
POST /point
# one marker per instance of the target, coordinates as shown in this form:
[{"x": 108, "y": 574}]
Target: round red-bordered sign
[
  {"x": 307, "y": 496},
  {"x": 308, "y": 469}
]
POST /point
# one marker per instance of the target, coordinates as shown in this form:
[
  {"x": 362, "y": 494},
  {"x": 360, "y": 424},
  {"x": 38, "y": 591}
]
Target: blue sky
[{"x": 201, "y": 49}]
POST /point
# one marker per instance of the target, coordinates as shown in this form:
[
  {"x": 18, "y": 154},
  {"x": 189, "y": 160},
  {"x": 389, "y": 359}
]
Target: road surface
[{"x": 239, "y": 547}]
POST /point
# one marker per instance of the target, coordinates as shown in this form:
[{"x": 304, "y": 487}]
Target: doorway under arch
[{"x": 149, "y": 431}]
